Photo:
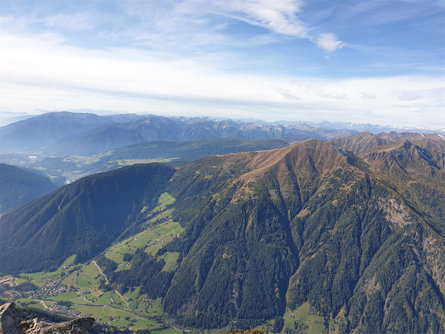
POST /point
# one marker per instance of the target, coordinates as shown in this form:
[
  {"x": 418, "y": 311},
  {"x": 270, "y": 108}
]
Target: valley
[
  {"x": 83, "y": 289},
  {"x": 310, "y": 237}
]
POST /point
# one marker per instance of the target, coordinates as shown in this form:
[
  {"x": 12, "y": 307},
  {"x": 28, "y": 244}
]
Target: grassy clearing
[
  {"x": 155, "y": 308},
  {"x": 85, "y": 279},
  {"x": 136, "y": 301},
  {"x": 171, "y": 259},
  {"x": 29, "y": 302},
  {"x": 160, "y": 230},
  {"x": 110, "y": 298},
  {"x": 162, "y": 235},
  {"x": 310, "y": 323},
  {"x": 117, "y": 317},
  {"x": 300, "y": 319},
  {"x": 152, "y": 239},
  {"x": 40, "y": 278},
  {"x": 70, "y": 296},
  {"x": 164, "y": 200}
]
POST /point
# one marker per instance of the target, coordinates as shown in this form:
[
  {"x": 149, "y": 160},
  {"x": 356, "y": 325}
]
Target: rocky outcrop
[
  {"x": 76, "y": 326},
  {"x": 10, "y": 324}
]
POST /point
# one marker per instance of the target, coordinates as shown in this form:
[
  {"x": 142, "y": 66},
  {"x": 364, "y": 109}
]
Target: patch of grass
[
  {"x": 152, "y": 239},
  {"x": 69, "y": 296},
  {"x": 171, "y": 259},
  {"x": 160, "y": 217},
  {"x": 36, "y": 278},
  {"x": 155, "y": 308},
  {"x": 40, "y": 278},
  {"x": 118, "y": 317},
  {"x": 29, "y": 302},
  {"x": 110, "y": 298},
  {"x": 310, "y": 323},
  {"x": 84, "y": 279},
  {"x": 136, "y": 301},
  {"x": 164, "y": 201},
  {"x": 161, "y": 235}
]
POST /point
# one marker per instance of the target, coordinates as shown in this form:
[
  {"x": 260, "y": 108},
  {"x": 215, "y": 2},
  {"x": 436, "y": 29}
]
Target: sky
[{"x": 361, "y": 61}]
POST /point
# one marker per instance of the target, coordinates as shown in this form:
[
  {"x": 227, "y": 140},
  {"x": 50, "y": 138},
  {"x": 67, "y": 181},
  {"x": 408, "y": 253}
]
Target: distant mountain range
[
  {"x": 366, "y": 127},
  {"x": 354, "y": 228},
  {"x": 65, "y": 133}
]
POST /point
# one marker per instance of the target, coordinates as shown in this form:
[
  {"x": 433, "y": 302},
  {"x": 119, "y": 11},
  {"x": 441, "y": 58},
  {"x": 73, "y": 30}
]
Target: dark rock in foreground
[{"x": 10, "y": 324}]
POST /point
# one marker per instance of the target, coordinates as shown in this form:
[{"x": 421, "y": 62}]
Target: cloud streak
[
  {"x": 45, "y": 74},
  {"x": 280, "y": 17}
]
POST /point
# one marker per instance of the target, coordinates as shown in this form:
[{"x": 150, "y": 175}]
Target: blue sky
[{"x": 362, "y": 61}]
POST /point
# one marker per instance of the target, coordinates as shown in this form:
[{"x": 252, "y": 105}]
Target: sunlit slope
[{"x": 307, "y": 230}]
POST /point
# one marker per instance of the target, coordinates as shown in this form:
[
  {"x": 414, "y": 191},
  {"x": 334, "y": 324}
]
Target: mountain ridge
[
  {"x": 76, "y": 133},
  {"x": 264, "y": 233}
]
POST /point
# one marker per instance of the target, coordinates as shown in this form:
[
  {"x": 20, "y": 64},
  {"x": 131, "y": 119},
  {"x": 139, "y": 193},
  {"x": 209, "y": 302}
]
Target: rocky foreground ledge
[{"x": 11, "y": 324}]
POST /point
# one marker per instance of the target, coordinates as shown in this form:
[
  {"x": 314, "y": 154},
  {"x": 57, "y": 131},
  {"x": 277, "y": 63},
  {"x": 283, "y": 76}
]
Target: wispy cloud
[
  {"x": 52, "y": 76},
  {"x": 281, "y": 17}
]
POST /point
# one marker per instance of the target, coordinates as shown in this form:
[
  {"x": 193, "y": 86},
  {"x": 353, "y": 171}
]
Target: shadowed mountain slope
[
  {"x": 19, "y": 186},
  {"x": 82, "y": 218}
]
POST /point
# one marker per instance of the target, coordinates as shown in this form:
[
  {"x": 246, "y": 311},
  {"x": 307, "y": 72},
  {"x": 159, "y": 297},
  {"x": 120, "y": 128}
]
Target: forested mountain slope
[
  {"x": 82, "y": 218},
  {"x": 359, "y": 238}
]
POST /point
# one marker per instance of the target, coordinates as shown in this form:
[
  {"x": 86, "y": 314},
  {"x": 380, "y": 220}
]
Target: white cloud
[
  {"x": 329, "y": 42},
  {"x": 38, "y": 73},
  {"x": 278, "y": 16}
]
